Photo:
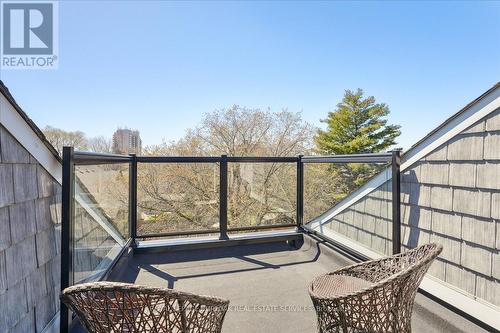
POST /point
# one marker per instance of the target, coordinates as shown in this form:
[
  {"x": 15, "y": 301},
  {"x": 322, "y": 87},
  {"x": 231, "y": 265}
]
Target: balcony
[{"x": 119, "y": 224}]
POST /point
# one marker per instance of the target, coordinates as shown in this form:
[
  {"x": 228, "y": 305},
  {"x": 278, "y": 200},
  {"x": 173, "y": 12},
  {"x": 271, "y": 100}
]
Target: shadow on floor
[{"x": 150, "y": 262}]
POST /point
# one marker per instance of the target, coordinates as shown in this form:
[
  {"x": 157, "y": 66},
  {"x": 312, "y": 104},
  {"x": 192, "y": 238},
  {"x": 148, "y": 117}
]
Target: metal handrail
[
  {"x": 353, "y": 158},
  {"x": 72, "y": 158},
  {"x": 262, "y": 159},
  {"x": 90, "y": 158},
  {"x": 178, "y": 159},
  {"x": 86, "y": 158}
]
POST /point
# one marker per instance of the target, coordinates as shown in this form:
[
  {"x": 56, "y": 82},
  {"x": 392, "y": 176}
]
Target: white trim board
[
  {"x": 464, "y": 120},
  {"x": 473, "y": 114},
  {"x": 98, "y": 217},
  {"x": 472, "y": 307},
  {"x": 361, "y": 192},
  {"x": 17, "y": 126},
  {"x": 22, "y": 132}
]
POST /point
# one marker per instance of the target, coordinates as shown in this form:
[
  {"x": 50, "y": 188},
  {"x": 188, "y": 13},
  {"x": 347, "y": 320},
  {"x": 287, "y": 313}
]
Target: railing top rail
[
  {"x": 87, "y": 158},
  {"x": 215, "y": 159},
  {"x": 262, "y": 159},
  {"x": 178, "y": 159},
  {"x": 351, "y": 158}
]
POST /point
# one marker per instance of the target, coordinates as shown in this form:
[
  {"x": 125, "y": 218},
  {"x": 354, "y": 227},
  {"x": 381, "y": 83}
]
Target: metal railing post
[
  {"x": 223, "y": 198},
  {"x": 300, "y": 192},
  {"x": 67, "y": 213},
  {"x": 133, "y": 199},
  {"x": 396, "y": 202}
]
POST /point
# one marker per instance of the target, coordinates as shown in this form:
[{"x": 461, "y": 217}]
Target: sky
[{"x": 158, "y": 66}]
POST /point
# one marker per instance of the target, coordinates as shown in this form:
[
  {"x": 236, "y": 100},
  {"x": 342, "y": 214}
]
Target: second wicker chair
[
  {"x": 105, "y": 307},
  {"x": 374, "y": 296}
]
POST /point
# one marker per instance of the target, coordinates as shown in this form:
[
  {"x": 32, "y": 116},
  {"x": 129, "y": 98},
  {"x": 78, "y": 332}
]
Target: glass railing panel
[
  {"x": 261, "y": 194},
  {"x": 101, "y": 226},
  {"x": 351, "y": 202},
  {"x": 177, "y": 197},
  {"x": 320, "y": 193}
]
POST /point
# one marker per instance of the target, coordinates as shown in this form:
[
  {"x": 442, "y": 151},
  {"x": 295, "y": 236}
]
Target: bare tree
[
  {"x": 100, "y": 144},
  {"x": 60, "y": 138},
  {"x": 184, "y": 197},
  {"x": 77, "y": 139},
  {"x": 240, "y": 131}
]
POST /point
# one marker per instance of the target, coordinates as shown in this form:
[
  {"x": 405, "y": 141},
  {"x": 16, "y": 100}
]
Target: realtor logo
[{"x": 29, "y": 34}]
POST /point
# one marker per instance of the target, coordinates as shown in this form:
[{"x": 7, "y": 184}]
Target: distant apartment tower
[{"x": 126, "y": 141}]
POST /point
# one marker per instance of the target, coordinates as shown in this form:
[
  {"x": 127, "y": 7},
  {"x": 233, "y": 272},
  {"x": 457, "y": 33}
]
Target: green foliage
[{"x": 358, "y": 125}]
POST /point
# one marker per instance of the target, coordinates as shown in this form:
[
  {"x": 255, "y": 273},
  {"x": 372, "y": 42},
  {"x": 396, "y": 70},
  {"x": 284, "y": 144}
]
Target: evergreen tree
[{"x": 358, "y": 125}]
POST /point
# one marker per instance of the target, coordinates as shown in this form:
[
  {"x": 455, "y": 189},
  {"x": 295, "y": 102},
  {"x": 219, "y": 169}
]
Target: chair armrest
[{"x": 372, "y": 270}]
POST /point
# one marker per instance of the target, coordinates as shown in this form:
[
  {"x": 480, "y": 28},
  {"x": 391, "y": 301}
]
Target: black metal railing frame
[
  {"x": 223, "y": 162},
  {"x": 72, "y": 158}
]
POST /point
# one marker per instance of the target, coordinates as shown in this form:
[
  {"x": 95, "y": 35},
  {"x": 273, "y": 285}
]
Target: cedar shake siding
[
  {"x": 30, "y": 236},
  {"x": 30, "y": 213},
  {"x": 452, "y": 197}
]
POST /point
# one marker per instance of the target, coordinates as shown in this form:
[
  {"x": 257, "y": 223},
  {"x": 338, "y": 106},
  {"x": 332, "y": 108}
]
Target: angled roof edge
[
  {"x": 27, "y": 133},
  {"x": 456, "y": 115},
  {"x": 5, "y": 91},
  {"x": 480, "y": 107}
]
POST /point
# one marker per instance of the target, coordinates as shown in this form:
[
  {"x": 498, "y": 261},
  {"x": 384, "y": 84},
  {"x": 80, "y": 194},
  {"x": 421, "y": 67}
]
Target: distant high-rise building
[{"x": 126, "y": 141}]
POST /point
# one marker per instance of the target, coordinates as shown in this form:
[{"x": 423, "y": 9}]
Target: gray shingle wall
[
  {"x": 29, "y": 222},
  {"x": 451, "y": 196},
  {"x": 30, "y": 236}
]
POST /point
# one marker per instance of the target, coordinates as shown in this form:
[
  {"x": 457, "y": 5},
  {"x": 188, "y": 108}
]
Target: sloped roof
[
  {"x": 486, "y": 103},
  {"x": 456, "y": 115},
  {"x": 6, "y": 93}
]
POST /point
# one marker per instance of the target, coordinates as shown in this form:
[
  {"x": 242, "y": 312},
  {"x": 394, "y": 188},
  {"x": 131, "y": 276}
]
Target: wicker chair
[
  {"x": 374, "y": 296},
  {"x": 105, "y": 307}
]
